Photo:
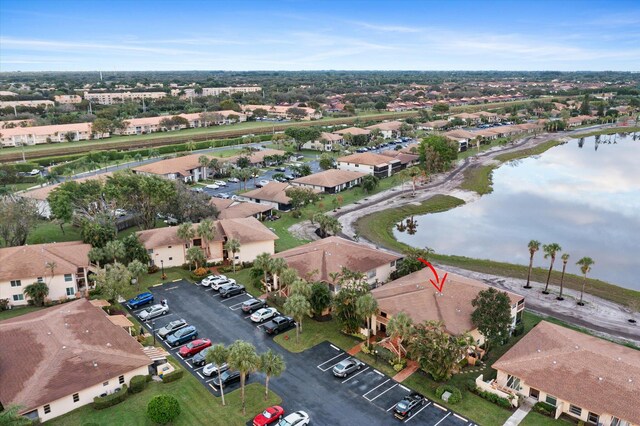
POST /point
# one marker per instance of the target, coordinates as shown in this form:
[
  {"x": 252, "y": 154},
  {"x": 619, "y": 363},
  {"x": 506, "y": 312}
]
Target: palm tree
[
  {"x": 272, "y": 365},
  {"x": 137, "y": 268},
  {"x": 278, "y": 266},
  {"x": 255, "y": 172},
  {"x": 232, "y": 246},
  {"x": 51, "y": 266},
  {"x": 214, "y": 166},
  {"x": 585, "y": 266},
  {"x": 301, "y": 287},
  {"x": 550, "y": 250},
  {"x": 96, "y": 255},
  {"x": 38, "y": 291},
  {"x": 369, "y": 183},
  {"x": 565, "y": 259},
  {"x": 207, "y": 231},
  {"x": 399, "y": 328},
  {"x": 190, "y": 145},
  {"x": 203, "y": 160},
  {"x": 186, "y": 233},
  {"x": 367, "y": 306},
  {"x": 195, "y": 255},
  {"x": 243, "y": 358},
  {"x": 263, "y": 262},
  {"x": 534, "y": 246},
  {"x": 218, "y": 355},
  {"x": 114, "y": 250},
  {"x": 297, "y": 306}
]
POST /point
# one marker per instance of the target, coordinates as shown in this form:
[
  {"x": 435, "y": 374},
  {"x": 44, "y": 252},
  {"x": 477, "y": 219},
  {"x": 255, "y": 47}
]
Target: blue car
[
  {"x": 139, "y": 300},
  {"x": 182, "y": 336}
]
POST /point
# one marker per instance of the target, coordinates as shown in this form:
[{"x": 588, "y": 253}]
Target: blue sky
[{"x": 112, "y": 35}]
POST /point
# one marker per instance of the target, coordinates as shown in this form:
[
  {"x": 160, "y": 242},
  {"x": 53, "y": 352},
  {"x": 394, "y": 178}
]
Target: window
[
  {"x": 105, "y": 384},
  {"x": 593, "y": 418},
  {"x": 121, "y": 380},
  {"x": 551, "y": 400},
  {"x": 76, "y": 397},
  {"x": 68, "y": 277},
  {"x": 168, "y": 246},
  {"x": 71, "y": 291},
  {"x": 18, "y": 297},
  {"x": 16, "y": 283},
  {"x": 40, "y": 279},
  {"x": 371, "y": 274},
  {"x": 575, "y": 410},
  {"x": 47, "y": 409},
  {"x": 392, "y": 264},
  {"x": 171, "y": 258},
  {"x": 149, "y": 251}
]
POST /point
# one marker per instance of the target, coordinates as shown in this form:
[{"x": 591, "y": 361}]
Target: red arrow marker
[{"x": 438, "y": 284}]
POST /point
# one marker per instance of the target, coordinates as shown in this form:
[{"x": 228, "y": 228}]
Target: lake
[{"x": 583, "y": 195}]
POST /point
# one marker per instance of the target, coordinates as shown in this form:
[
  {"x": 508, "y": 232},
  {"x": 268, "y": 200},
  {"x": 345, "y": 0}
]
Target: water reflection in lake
[{"x": 583, "y": 195}]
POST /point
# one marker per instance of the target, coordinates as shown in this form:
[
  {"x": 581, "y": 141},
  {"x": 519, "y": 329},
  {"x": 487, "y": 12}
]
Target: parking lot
[{"x": 366, "y": 397}]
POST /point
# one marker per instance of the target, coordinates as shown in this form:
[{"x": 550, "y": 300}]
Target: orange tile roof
[
  {"x": 29, "y": 261},
  {"x": 368, "y": 158},
  {"x": 329, "y": 178}
]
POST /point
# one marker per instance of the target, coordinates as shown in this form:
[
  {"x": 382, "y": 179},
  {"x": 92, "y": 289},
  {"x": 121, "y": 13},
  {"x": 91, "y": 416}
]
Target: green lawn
[
  {"x": 478, "y": 179},
  {"x": 49, "y": 232},
  {"x": 16, "y": 312},
  {"x": 537, "y": 419},
  {"x": 536, "y": 150},
  {"x": 313, "y": 333},
  {"x": 198, "y": 406}
]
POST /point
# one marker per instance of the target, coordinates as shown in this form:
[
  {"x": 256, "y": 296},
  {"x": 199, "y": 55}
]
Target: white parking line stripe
[
  {"x": 175, "y": 281},
  {"x": 442, "y": 419},
  {"x": 198, "y": 373},
  {"x": 213, "y": 387},
  {"x": 330, "y": 359},
  {"x": 171, "y": 288},
  {"x": 365, "y": 395},
  {"x": 198, "y": 368},
  {"x": 460, "y": 417},
  {"x": 233, "y": 307},
  {"x": 157, "y": 285},
  {"x": 249, "y": 295},
  {"x": 209, "y": 289},
  {"x": 377, "y": 372},
  {"x": 416, "y": 413},
  {"x": 211, "y": 380},
  {"x": 359, "y": 372},
  {"x": 405, "y": 388},
  {"x": 232, "y": 297},
  {"x": 337, "y": 349},
  {"x": 439, "y": 406},
  {"x": 391, "y": 408},
  {"x": 371, "y": 400},
  {"x": 333, "y": 365}
]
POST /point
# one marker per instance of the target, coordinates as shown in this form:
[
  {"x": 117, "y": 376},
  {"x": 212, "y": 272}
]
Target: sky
[{"x": 117, "y": 35}]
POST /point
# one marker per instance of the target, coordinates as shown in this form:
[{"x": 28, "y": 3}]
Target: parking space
[{"x": 367, "y": 396}]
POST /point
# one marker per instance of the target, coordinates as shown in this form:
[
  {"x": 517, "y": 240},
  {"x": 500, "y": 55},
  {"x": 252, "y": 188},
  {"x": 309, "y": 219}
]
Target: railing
[{"x": 494, "y": 388}]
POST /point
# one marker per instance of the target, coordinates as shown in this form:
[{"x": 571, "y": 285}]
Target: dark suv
[
  {"x": 231, "y": 290},
  {"x": 252, "y": 305},
  {"x": 227, "y": 378}
]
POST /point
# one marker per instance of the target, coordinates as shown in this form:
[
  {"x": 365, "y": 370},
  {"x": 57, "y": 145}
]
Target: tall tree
[
  {"x": 218, "y": 355},
  {"x": 11, "y": 416},
  {"x": 96, "y": 255},
  {"x": 367, "y": 306},
  {"x": 134, "y": 250},
  {"x": 113, "y": 281},
  {"x": 326, "y": 161},
  {"x": 399, "y": 329},
  {"x": 369, "y": 183},
  {"x": 263, "y": 263},
  {"x": 243, "y": 358},
  {"x": 232, "y": 246},
  {"x": 320, "y": 298},
  {"x": 301, "y": 287},
  {"x": 585, "y": 267},
  {"x": 19, "y": 215},
  {"x": 565, "y": 259},
  {"x": 302, "y": 135},
  {"x": 282, "y": 275},
  {"x": 297, "y": 306},
  {"x": 114, "y": 250},
  {"x": 137, "y": 268},
  {"x": 196, "y": 255},
  {"x": 534, "y": 246},
  {"x": 186, "y": 233},
  {"x": 37, "y": 292},
  {"x": 550, "y": 251},
  {"x": 492, "y": 315},
  {"x": 271, "y": 365},
  {"x": 207, "y": 231}
]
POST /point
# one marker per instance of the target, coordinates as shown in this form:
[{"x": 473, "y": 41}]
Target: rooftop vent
[
  {"x": 108, "y": 345},
  {"x": 95, "y": 364}
]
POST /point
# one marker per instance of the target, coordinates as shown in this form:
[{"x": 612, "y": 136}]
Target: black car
[
  {"x": 231, "y": 290},
  {"x": 280, "y": 169},
  {"x": 404, "y": 408},
  {"x": 227, "y": 378},
  {"x": 198, "y": 359},
  {"x": 279, "y": 324},
  {"x": 252, "y": 305}
]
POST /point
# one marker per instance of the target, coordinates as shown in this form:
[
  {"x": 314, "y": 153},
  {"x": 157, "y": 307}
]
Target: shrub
[
  {"x": 296, "y": 214},
  {"x": 456, "y": 395},
  {"x": 100, "y": 402},
  {"x": 201, "y": 272},
  {"x": 163, "y": 409},
  {"x": 276, "y": 300},
  {"x": 138, "y": 383},
  {"x": 152, "y": 269},
  {"x": 471, "y": 385},
  {"x": 4, "y": 304},
  {"x": 518, "y": 330},
  {"x": 492, "y": 397},
  {"x": 172, "y": 377},
  {"x": 398, "y": 367},
  {"x": 544, "y": 408}
]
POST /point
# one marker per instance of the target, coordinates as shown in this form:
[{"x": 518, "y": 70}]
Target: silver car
[
  {"x": 347, "y": 366},
  {"x": 171, "y": 327},
  {"x": 211, "y": 369},
  {"x": 153, "y": 312}
]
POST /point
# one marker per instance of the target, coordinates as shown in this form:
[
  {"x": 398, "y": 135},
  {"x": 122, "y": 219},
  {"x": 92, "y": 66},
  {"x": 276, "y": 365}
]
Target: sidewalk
[
  {"x": 411, "y": 368},
  {"x": 520, "y": 413}
]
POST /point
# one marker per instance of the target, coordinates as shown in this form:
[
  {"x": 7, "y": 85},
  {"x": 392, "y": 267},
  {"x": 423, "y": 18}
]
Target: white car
[
  {"x": 220, "y": 183},
  {"x": 34, "y": 172},
  {"x": 206, "y": 282},
  {"x": 299, "y": 418},
  {"x": 233, "y": 180},
  {"x": 212, "y": 186},
  {"x": 217, "y": 284},
  {"x": 153, "y": 312},
  {"x": 262, "y": 182},
  {"x": 264, "y": 314},
  {"x": 211, "y": 369}
]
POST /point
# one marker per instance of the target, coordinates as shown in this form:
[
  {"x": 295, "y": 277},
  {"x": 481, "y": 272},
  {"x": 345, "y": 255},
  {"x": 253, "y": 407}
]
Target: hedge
[
  {"x": 138, "y": 383},
  {"x": 100, "y": 402},
  {"x": 172, "y": 377},
  {"x": 456, "y": 395},
  {"x": 544, "y": 408},
  {"x": 492, "y": 397}
]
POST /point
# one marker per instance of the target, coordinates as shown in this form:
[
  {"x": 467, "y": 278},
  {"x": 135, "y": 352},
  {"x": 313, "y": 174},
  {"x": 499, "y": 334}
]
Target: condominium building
[{"x": 107, "y": 98}]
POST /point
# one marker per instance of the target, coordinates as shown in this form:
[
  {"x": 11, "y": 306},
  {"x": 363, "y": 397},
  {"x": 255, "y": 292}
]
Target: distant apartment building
[
  {"x": 108, "y": 98},
  {"x": 215, "y": 91},
  {"x": 283, "y": 111},
  {"x": 30, "y": 104},
  {"x": 378, "y": 165},
  {"x": 140, "y": 126},
  {"x": 18, "y": 136},
  {"x": 68, "y": 99}
]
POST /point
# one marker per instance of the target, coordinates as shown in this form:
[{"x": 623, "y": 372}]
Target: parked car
[
  {"x": 171, "y": 221},
  {"x": 280, "y": 179},
  {"x": 211, "y": 369},
  {"x": 220, "y": 183},
  {"x": 212, "y": 186},
  {"x": 119, "y": 212},
  {"x": 261, "y": 183},
  {"x": 264, "y": 314},
  {"x": 231, "y": 290},
  {"x": 153, "y": 312},
  {"x": 233, "y": 180},
  {"x": 289, "y": 177},
  {"x": 280, "y": 169},
  {"x": 200, "y": 358},
  {"x": 347, "y": 366},
  {"x": 34, "y": 172},
  {"x": 268, "y": 416},
  {"x": 224, "y": 195},
  {"x": 279, "y": 324},
  {"x": 192, "y": 348},
  {"x": 227, "y": 378},
  {"x": 404, "y": 408},
  {"x": 299, "y": 418},
  {"x": 140, "y": 300},
  {"x": 218, "y": 284},
  {"x": 252, "y": 305},
  {"x": 171, "y": 327},
  {"x": 206, "y": 281},
  {"x": 183, "y": 335}
]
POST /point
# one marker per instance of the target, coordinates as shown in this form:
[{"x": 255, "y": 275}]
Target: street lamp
[
  {"x": 153, "y": 331},
  {"x": 164, "y": 277}
]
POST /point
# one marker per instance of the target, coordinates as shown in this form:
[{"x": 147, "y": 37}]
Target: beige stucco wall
[
  {"x": 362, "y": 168},
  {"x": 66, "y": 404},
  {"x": 57, "y": 288},
  {"x": 171, "y": 255},
  {"x": 249, "y": 252}
]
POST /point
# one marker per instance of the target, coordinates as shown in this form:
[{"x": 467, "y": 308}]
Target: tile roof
[
  {"x": 182, "y": 165},
  {"x": 43, "y": 192},
  {"x": 368, "y": 158},
  {"x": 405, "y": 158},
  {"x": 388, "y": 125},
  {"x": 47, "y": 130},
  {"x": 29, "y": 260},
  {"x": 589, "y": 372},
  {"x": 414, "y": 295},
  {"x": 273, "y": 191},
  {"x": 58, "y": 351},
  {"x": 240, "y": 210},
  {"x": 329, "y": 178},
  {"x": 329, "y": 255},
  {"x": 331, "y": 137},
  {"x": 353, "y": 131}
]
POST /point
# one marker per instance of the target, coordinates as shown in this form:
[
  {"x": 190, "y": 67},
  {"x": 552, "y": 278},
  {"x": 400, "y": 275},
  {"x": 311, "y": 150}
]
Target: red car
[
  {"x": 268, "y": 416},
  {"x": 194, "y": 347}
]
